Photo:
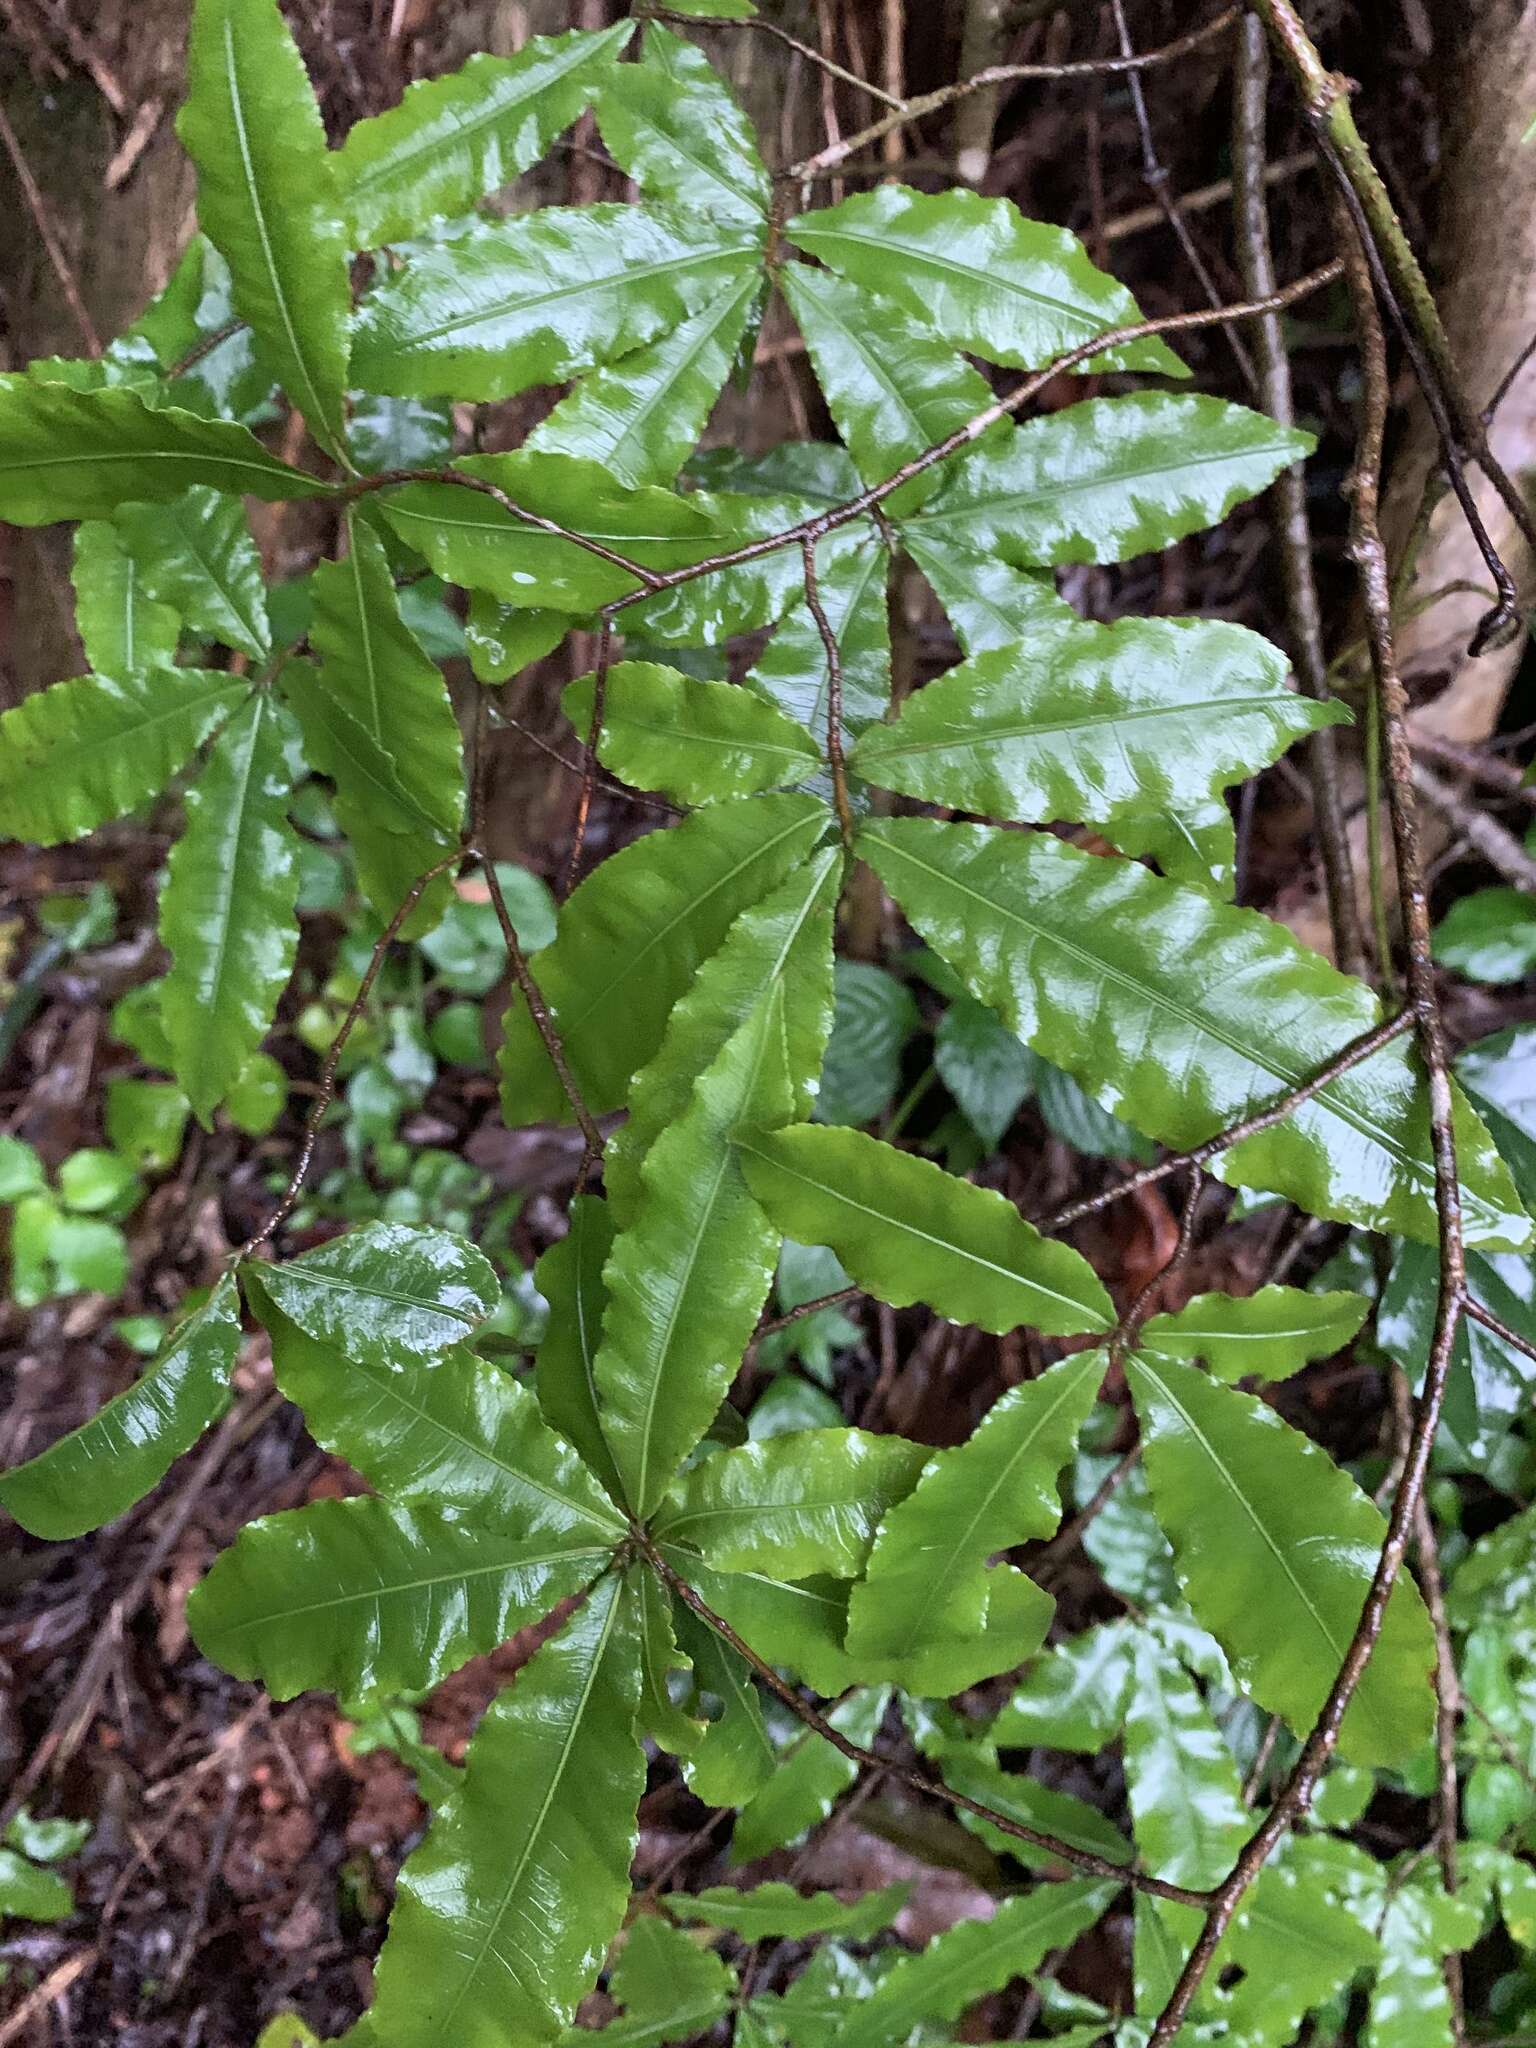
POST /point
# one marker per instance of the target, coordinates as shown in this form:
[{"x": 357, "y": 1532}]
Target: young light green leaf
[
  {"x": 1070, "y": 1697},
  {"x": 452, "y": 140},
  {"x": 792, "y": 671},
  {"x": 1275, "y": 1548},
  {"x": 642, "y": 416},
  {"x": 1185, "y": 1794},
  {"x": 776, "y": 1912},
  {"x": 67, "y": 454},
  {"x": 694, "y": 740},
  {"x": 811, "y": 1777},
  {"x": 30, "y": 1893},
  {"x": 1108, "y": 479},
  {"x": 1186, "y": 1015},
  {"x": 926, "y": 1591},
  {"x": 570, "y": 1277},
  {"x": 1015, "y": 291},
  {"x": 386, "y": 1293},
  {"x": 671, "y": 1989},
  {"x": 78, "y": 753},
  {"x": 1272, "y": 1333},
  {"x": 1095, "y": 722},
  {"x": 672, "y": 1729},
  {"x": 633, "y": 937},
  {"x": 227, "y": 911},
  {"x": 122, "y": 627},
  {"x": 354, "y": 1596},
  {"x": 672, "y": 124},
  {"x": 989, "y": 602},
  {"x": 99, "y": 1470},
  {"x": 267, "y": 201},
  {"x": 197, "y": 555},
  {"x": 907, "y": 1231},
  {"x": 795, "y": 1505},
  {"x": 505, "y": 1911},
  {"x": 499, "y": 306}
]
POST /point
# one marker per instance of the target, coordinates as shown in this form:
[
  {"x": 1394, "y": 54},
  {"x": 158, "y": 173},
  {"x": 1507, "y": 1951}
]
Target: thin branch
[
  {"x": 834, "y": 656},
  {"x": 1495, "y": 842},
  {"x": 203, "y": 347},
  {"x": 1499, "y": 1328},
  {"x": 1140, "y": 218},
  {"x": 1128, "y": 1329},
  {"x": 589, "y": 755},
  {"x": 806, "y": 1308},
  {"x": 780, "y": 35},
  {"x": 47, "y": 234}
]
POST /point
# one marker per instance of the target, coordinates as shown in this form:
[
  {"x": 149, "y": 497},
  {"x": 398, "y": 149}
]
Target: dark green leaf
[
  {"x": 984, "y": 1067},
  {"x": 1489, "y": 936},
  {"x": 570, "y": 1277},
  {"x": 386, "y": 1294},
  {"x": 989, "y": 602},
  {"x": 875, "y": 1017},
  {"x": 696, "y": 741},
  {"x": 734, "y": 1757},
  {"x": 1490, "y": 1379}
]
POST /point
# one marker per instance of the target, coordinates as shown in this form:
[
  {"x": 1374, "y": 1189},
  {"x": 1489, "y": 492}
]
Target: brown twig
[
  {"x": 834, "y": 654},
  {"x": 1500, "y": 1329},
  {"x": 780, "y": 35},
  {"x": 806, "y": 1308},
  {"x": 48, "y": 235},
  {"x": 1495, "y": 842},
  {"x": 589, "y": 755},
  {"x": 1140, "y": 218}
]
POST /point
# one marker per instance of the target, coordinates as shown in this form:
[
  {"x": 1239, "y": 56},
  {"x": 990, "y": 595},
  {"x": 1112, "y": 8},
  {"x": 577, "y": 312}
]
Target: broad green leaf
[
  {"x": 1095, "y": 723},
  {"x": 927, "y": 1588},
  {"x": 1488, "y": 936},
  {"x": 123, "y": 628},
  {"x": 894, "y": 387},
  {"x": 1074, "y": 1117},
  {"x": 673, "y": 1730},
  {"x": 784, "y": 941},
  {"x": 78, "y": 753},
  {"x": 1275, "y": 1548},
  {"x": 99, "y": 1470},
  {"x": 632, "y": 938},
  {"x": 799, "y": 1624},
  {"x": 972, "y": 1768},
  {"x": 984, "y": 1067},
  {"x": 1497, "y": 1577},
  {"x": 355, "y": 1596},
  {"x": 1186, "y": 1015},
  {"x": 227, "y": 909},
  {"x": 974, "y": 270},
  {"x": 505, "y": 1911},
  {"x": 1490, "y": 1380},
  {"x": 21, "y": 1170},
  {"x": 687, "y": 1278},
  {"x": 502, "y": 639},
  {"x": 670, "y": 1988},
  {"x": 1194, "y": 845},
  {"x": 777, "y": 1912},
  {"x": 570, "y": 1277},
  {"x": 792, "y": 670},
  {"x": 989, "y": 602},
  {"x": 471, "y": 538},
  {"x": 1070, "y": 1697},
  {"x": 197, "y": 554},
  {"x": 706, "y": 611},
  {"x": 1410, "y": 2000},
  {"x": 1298, "y": 1943},
  {"x": 670, "y": 122},
  {"x": 795, "y": 1505},
  {"x": 642, "y": 416},
  {"x": 812, "y": 1776},
  {"x": 499, "y": 306},
  {"x": 734, "y": 1757},
  {"x": 456, "y": 1433},
  {"x": 964, "y": 1964},
  {"x": 694, "y": 740},
  {"x": 1271, "y": 1334},
  {"x": 907, "y": 1231},
  {"x": 876, "y": 1014},
  {"x": 266, "y": 199},
  {"x": 1185, "y": 1794},
  {"x": 32, "y": 1894},
  {"x": 67, "y": 454},
  {"x": 386, "y": 1293},
  {"x": 452, "y": 140},
  {"x": 1108, "y": 479}
]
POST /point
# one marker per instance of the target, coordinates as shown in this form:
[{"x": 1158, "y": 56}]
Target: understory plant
[{"x": 777, "y": 1610}]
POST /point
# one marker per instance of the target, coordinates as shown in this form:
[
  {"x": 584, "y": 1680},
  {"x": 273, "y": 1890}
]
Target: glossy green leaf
[
  {"x": 1015, "y": 291},
  {"x": 67, "y": 454},
  {"x": 570, "y": 1277},
  {"x": 386, "y": 1294},
  {"x": 1490, "y": 1380},
  {"x": 355, "y": 1596},
  {"x": 505, "y": 1911},
  {"x": 927, "y": 1587},
  {"x": 78, "y": 753},
  {"x": 227, "y": 909},
  {"x": 1270, "y": 1334},
  {"x": 266, "y": 199},
  {"x": 792, "y": 670},
  {"x": 795, "y": 1505},
  {"x": 705, "y": 611},
  {"x": 499, "y": 306},
  {"x": 1497, "y": 1577},
  {"x": 451, "y": 140},
  {"x": 734, "y": 1757},
  {"x": 503, "y": 639},
  {"x": 672, "y": 124},
  {"x": 697, "y": 741},
  {"x": 1072, "y": 1696},
  {"x": 1185, "y": 1794},
  {"x": 670, "y": 1988},
  {"x": 777, "y": 1912},
  {"x": 1489, "y": 936},
  {"x": 1096, "y": 722},
  {"x": 123, "y": 628},
  {"x": 457, "y": 1434},
  {"x": 964, "y": 1964},
  {"x": 812, "y": 1776},
  {"x": 1108, "y": 479},
  {"x": 894, "y": 387},
  {"x": 907, "y": 1231},
  {"x": 798, "y": 1623},
  {"x": 687, "y": 1278},
  {"x": 783, "y": 942},
  {"x": 662, "y": 1664},
  {"x": 973, "y": 1769},
  {"x": 197, "y": 555},
  {"x": 984, "y": 1067},
  {"x": 1186, "y": 1015},
  {"x": 1298, "y": 1942},
  {"x": 642, "y": 416},
  {"x": 99, "y": 1470},
  {"x": 989, "y": 602},
  {"x": 632, "y": 938},
  {"x": 1410, "y": 2001},
  {"x": 1275, "y": 1547}
]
